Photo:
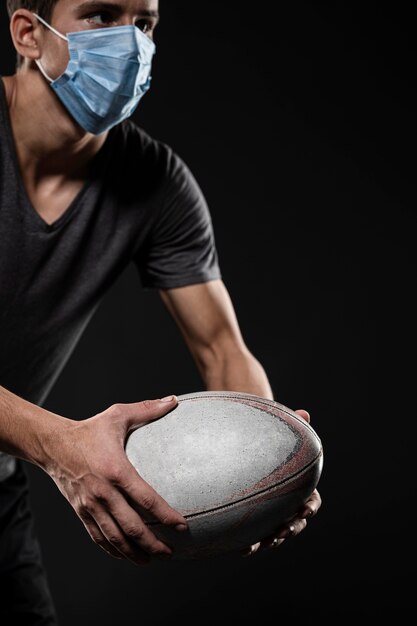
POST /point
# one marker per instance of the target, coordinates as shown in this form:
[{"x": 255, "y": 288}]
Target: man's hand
[
  {"x": 89, "y": 465},
  {"x": 296, "y": 525}
]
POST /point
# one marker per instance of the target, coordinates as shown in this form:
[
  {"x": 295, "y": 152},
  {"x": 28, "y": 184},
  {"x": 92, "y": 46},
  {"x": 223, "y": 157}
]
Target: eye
[{"x": 100, "y": 19}]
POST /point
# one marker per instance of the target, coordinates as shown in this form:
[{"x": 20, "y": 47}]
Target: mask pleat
[{"x": 107, "y": 75}]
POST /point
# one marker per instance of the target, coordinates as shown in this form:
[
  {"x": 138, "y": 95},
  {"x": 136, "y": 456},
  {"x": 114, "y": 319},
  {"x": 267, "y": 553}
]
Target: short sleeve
[{"x": 180, "y": 248}]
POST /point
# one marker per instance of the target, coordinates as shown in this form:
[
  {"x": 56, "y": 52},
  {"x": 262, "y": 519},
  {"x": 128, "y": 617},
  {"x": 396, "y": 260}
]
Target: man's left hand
[{"x": 293, "y": 528}]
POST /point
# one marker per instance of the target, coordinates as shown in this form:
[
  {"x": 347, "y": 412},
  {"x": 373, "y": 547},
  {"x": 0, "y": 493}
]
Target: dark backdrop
[{"x": 300, "y": 128}]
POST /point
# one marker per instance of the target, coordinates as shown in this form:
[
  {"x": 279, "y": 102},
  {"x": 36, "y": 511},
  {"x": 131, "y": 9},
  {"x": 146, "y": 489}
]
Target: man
[{"x": 84, "y": 192}]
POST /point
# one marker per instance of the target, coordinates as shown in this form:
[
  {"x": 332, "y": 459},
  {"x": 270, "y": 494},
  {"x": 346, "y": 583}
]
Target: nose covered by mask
[{"x": 108, "y": 73}]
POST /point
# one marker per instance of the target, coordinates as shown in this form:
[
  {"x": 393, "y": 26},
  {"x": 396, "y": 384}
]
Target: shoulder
[
  {"x": 137, "y": 145},
  {"x": 139, "y": 157}
]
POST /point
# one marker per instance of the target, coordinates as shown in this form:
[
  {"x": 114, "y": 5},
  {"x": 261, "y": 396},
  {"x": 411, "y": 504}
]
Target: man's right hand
[{"x": 88, "y": 463}]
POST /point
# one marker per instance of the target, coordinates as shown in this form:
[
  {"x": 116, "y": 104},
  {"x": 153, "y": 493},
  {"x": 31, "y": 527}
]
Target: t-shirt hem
[{"x": 181, "y": 281}]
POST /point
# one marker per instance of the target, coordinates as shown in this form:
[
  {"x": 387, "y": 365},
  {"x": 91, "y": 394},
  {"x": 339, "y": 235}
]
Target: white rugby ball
[{"x": 237, "y": 466}]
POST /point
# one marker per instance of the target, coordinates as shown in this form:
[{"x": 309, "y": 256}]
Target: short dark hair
[{"x": 43, "y": 8}]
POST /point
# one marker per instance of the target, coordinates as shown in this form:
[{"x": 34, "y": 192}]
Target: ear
[{"x": 26, "y": 33}]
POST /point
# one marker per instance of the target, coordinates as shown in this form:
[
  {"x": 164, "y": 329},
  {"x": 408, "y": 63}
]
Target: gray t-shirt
[{"x": 140, "y": 204}]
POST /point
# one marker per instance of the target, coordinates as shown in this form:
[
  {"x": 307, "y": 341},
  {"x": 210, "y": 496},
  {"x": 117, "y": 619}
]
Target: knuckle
[
  {"x": 99, "y": 540},
  {"x": 148, "y": 501},
  {"x": 114, "y": 473},
  {"x": 166, "y": 518},
  {"x": 100, "y": 494},
  {"x": 115, "y": 540},
  {"x": 119, "y": 474},
  {"x": 134, "y": 532},
  {"x": 96, "y": 491},
  {"x": 108, "y": 471},
  {"x": 148, "y": 404},
  {"x": 91, "y": 485},
  {"x": 115, "y": 410}
]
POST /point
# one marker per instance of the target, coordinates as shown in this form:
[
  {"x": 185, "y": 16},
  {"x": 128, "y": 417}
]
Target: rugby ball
[{"x": 237, "y": 466}]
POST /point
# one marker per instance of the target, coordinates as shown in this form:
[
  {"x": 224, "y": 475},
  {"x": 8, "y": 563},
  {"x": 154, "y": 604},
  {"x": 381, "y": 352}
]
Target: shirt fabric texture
[{"x": 140, "y": 204}]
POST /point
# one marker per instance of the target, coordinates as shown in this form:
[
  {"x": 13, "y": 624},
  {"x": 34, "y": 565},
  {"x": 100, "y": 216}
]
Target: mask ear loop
[
  {"x": 45, "y": 23},
  {"x": 58, "y": 34},
  {"x": 42, "y": 71}
]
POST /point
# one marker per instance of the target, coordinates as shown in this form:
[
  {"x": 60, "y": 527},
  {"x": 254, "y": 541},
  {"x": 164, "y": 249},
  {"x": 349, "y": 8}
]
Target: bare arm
[
  {"x": 87, "y": 461},
  {"x": 207, "y": 320},
  {"x": 25, "y": 428}
]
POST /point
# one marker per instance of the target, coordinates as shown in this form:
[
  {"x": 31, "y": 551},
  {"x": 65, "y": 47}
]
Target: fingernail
[
  {"x": 181, "y": 527},
  {"x": 291, "y": 529},
  {"x": 169, "y": 399}
]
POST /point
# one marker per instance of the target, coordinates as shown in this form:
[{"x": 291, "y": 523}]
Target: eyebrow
[{"x": 100, "y": 5}]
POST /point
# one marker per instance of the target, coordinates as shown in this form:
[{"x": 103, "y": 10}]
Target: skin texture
[
  {"x": 87, "y": 462},
  {"x": 86, "y": 458}
]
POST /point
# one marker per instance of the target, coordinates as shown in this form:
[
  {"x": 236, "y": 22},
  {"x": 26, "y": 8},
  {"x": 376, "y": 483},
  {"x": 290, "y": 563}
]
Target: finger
[
  {"x": 295, "y": 527},
  {"x": 135, "y": 414},
  {"x": 145, "y": 497},
  {"x": 118, "y": 539},
  {"x": 290, "y": 530},
  {"x": 251, "y": 550},
  {"x": 304, "y": 414},
  {"x": 134, "y": 529},
  {"x": 98, "y": 537},
  {"x": 312, "y": 505},
  {"x": 271, "y": 542}
]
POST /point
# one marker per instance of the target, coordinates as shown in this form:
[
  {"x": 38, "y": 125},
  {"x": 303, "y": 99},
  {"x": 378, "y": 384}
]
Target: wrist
[
  {"x": 49, "y": 439},
  {"x": 28, "y": 431}
]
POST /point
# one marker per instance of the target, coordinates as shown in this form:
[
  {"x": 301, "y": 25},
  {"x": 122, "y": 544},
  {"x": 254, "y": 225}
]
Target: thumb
[{"x": 136, "y": 414}]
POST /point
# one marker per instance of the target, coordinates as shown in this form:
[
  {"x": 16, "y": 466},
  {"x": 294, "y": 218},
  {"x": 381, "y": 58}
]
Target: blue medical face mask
[{"x": 107, "y": 74}]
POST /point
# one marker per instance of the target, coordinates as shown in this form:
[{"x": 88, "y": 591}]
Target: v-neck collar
[{"x": 35, "y": 219}]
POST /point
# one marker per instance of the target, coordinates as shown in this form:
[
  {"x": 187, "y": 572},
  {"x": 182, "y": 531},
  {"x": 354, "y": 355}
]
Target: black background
[{"x": 300, "y": 128}]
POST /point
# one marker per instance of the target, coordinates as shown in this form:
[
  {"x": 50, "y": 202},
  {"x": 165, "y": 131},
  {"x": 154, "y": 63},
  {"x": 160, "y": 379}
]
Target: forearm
[
  {"x": 237, "y": 370},
  {"x": 206, "y": 317},
  {"x": 26, "y": 429}
]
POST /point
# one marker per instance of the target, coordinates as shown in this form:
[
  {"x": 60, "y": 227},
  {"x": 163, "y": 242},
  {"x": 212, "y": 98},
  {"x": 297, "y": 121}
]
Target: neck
[{"x": 48, "y": 141}]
